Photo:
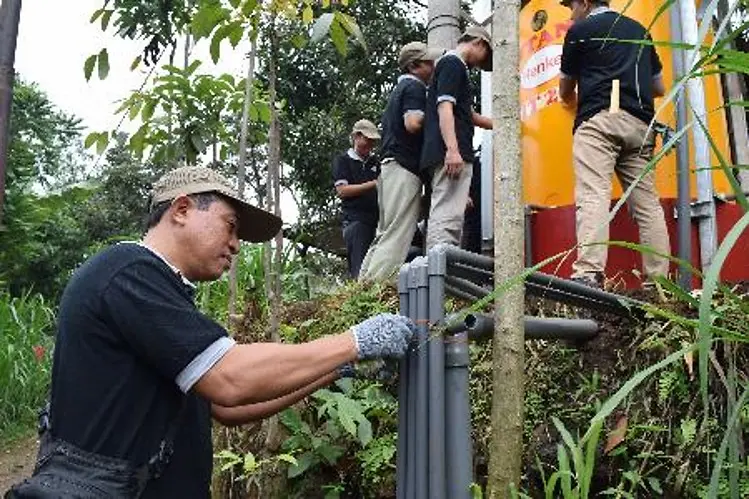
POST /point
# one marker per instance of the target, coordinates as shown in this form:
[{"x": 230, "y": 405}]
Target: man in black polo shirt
[
  {"x": 138, "y": 371},
  {"x": 355, "y": 180},
  {"x": 616, "y": 83},
  {"x": 399, "y": 185},
  {"x": 447, "y": 155}
]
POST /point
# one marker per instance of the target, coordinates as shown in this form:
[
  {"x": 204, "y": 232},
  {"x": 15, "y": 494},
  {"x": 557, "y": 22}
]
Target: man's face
[
  {"x": 579, "y": 9},
  {"x": 479, "y": 52},
  {"x": 363, "y": 145},
  {"x": 208, "y": 237},
  {"x": 423, "y": 70}
]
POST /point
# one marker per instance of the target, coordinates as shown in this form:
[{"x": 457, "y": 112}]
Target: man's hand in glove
[{"x": 384, "y": 335}]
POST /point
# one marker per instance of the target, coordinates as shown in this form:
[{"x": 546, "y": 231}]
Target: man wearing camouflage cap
[
  {"x": 399, "y": 186},
  {"x": 355, "y": 175},
  {"x": 447, "y": 155},
  {"x": 139, "y": 371}
]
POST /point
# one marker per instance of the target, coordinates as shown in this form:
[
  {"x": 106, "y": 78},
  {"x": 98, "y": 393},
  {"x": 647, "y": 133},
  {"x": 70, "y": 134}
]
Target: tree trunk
[
  {"x": 10, "y": 15},
  {"x": 505, "y": 455},
  {"x": 241, "y": 172},
  {"x": 274, "y": 165}
]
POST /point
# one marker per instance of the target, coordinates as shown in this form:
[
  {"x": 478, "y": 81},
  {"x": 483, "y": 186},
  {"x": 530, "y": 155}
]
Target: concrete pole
[
  {"x": 443, "y": 29},
  {"x": 704, "y": 207},
  {"x": 10, "y": 15}
]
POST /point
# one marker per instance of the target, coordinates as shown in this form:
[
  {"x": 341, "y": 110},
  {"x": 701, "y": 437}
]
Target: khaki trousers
[
  {"x": 448, "y": 206},
  {"x": 398, "y": 197},
  {"x": 607, "y": 144}
]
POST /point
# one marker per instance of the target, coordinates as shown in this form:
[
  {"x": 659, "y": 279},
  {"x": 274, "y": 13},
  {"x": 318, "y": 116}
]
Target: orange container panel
[{"x": 547, "y": 125}]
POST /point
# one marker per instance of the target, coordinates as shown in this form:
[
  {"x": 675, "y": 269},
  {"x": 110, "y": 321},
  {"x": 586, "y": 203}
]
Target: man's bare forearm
[
  {"x": 260, "y": 372},
  {"x": 233, "y": 416},
  {"x": 482, "y": 121},
  {"x": 447, "y": 125},
  {"x": 354, "y": 190}
]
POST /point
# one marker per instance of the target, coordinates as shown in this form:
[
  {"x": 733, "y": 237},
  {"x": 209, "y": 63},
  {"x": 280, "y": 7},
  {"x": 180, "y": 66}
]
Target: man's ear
[{"x": 179, "y": 209}]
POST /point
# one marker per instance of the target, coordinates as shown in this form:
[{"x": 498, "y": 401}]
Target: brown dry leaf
[
  {"x": 689, "y": 361},
  {"x": 617, "y": 435}
]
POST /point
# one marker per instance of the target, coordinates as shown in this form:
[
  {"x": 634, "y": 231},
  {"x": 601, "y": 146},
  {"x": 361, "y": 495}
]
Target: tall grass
[{"x": 26, "y": 344}]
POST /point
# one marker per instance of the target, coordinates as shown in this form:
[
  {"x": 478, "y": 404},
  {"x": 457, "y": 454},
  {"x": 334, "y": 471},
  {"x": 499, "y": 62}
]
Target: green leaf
[
  {"x": 349, "y": 24},
  {"x": 291, "y": 420},
  {"x": 365, "y": 432},
  {"x": 207, "y": 18},
  {"x": 97, "y": 13},
  {"x": 91, "y": 139},
  {"x": 303, "y": 464},
  {"x": 236, "y": 32},
  {"x": 287, "y": 458},
  {"x": 339, "y": 37},
  {"x": 135, "y": 110},
  {"x": 235, "y": 3},
  {"x": 250, "y": 463},
  {"x": 103, "y": 64},
  {"x": 88, "y": 66},
  {"x": 307, "y": 14},
  {"x": 215, "y": 48},
  {"x": 136, "y": 62},
  {"x": 105, "y": 18},
  {"x": 194, "y": 65},
  {"x": 101, "y": 142},
  {"x": 321, "y": 27},
  {"x": 249, "y": 7},
  {"x": 148, "y": 109},
  {"x": 655, "y": 485}
]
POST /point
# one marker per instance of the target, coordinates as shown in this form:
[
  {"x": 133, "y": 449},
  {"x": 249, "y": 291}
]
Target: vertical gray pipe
[
  {"x": 437, "y": 261},
  {"x": 10, "y": 16},
  {"x": 459, "y": 452},
  {"x": 413, "y": 370},
  {"x": 683, "y": 212},
  {"x": 422, "y": 379},
  {"x": 401, "y": 468}
]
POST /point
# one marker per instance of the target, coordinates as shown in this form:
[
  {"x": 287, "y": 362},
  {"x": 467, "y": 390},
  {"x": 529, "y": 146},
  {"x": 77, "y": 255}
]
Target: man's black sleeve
[
  {"x": 414, "y": 98},
  {"x": 571, "y": 55},
  {"x": 341, "y": 175},
  {"x": 159, "y": 321}
]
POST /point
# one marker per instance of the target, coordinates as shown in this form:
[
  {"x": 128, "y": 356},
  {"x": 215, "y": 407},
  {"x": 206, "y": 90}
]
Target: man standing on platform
[
  {"x": 399, "y": 189},
  {"x": 447, "y": 155},
  {"x": 616, "y": 82}
]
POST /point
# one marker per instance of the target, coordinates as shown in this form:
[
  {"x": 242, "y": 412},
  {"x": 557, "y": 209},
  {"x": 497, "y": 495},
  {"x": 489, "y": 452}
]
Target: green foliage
[
  {"x": 343, "y": 422},
  {"x": 25, "y": 360},
  {"x": 325, "y": 93}
]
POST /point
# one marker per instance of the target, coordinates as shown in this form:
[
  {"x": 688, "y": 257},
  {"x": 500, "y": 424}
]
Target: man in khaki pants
[
  {"x": 616, "y": 84},
  {"x": 447, "y": 155},
  {"x": 399, "y": 186}
]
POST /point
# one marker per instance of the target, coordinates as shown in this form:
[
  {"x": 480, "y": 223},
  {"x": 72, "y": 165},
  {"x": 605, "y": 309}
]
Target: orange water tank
[{"x": 547, "y": 124}]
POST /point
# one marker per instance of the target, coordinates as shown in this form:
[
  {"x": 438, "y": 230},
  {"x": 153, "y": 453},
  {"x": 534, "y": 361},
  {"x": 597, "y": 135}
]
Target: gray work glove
[{"x": 384, "y": 335}]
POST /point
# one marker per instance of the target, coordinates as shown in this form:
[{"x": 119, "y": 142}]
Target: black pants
[{"x": 358, "y": 236}]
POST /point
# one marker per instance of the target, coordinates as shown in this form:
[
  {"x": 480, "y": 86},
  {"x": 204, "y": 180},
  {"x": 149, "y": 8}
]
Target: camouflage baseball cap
[
  {"x": 415, "y": 52},
  {"x": 255, "y": 225},
  {"x": 366, "y": 128}
]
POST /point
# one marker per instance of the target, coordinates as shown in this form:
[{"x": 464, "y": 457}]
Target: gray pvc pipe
[
  {"x": 459, "y": 462},
  {"x": 684, "y": 215},
  {"x": 481, "y": 327},
  {"x": 413, "y": 367},
  {"x": 401, "y": 467},
  {"x": 437, "y": 269},
  {"x": 421, "y": 274}
]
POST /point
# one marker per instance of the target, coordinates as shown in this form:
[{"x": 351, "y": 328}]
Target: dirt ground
[{"x": 17, "y": 461}]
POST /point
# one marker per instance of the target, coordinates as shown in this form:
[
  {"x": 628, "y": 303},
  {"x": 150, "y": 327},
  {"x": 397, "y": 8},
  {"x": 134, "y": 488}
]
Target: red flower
[{"x": 39, "y": 352}]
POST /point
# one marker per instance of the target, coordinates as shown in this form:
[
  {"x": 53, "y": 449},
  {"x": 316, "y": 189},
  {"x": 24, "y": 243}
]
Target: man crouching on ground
[{"x": 139, "y": 371}]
